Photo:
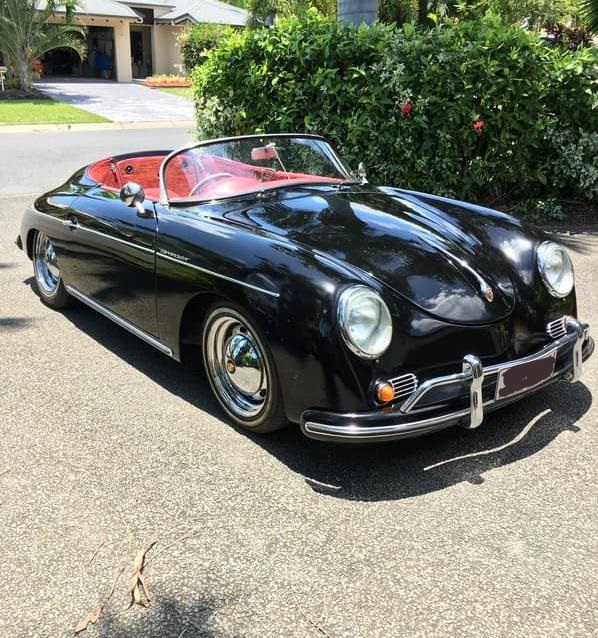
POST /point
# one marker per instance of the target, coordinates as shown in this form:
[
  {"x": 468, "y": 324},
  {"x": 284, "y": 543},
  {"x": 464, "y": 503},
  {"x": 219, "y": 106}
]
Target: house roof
[
  {"x": 199, "y": 11},
  {"x": 177, "y": 11},
  {"x": 100, "y": 8},
  {"x": 165, "y": 4}
]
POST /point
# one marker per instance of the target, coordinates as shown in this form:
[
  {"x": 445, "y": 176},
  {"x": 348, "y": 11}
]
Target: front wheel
[
  {"x": 47, "y": 273},
  {"x": 241, "y": 371}
]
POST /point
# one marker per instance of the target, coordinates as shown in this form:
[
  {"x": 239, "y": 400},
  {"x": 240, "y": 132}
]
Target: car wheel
[
  {"x": 241, "y": 371},
  {"x": 47, "y": 273}
]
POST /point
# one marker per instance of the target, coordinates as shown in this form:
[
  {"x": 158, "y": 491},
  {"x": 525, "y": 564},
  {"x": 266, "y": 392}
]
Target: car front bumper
[{"x": 408, "y": 420}]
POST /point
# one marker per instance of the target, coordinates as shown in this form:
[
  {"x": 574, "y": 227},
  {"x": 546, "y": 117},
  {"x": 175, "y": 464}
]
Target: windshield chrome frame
[{"x": 164, "y": 200}]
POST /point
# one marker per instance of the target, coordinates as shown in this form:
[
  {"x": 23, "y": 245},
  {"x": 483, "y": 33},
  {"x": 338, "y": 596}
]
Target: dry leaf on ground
[
  {"x": 91, "y": 618},
  {"x": 136, "y": 582}
]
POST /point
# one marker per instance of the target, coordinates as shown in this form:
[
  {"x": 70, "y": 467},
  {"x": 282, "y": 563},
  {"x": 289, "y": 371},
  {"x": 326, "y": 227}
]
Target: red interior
[
  {"x": 183, "y": 175},
  {"x": 142, "y": 170}
]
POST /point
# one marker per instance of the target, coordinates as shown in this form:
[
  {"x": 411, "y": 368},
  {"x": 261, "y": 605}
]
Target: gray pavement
[
  {"x": 119, "y": 102},
  {"x": 105, "y": 443}
]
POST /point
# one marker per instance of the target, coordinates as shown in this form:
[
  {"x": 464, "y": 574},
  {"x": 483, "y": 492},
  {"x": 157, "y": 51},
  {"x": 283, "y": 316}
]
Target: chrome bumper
[{"x": 375, "y": 426}]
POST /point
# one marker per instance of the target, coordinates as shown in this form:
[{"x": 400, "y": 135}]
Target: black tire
[
  {"x": 232, "y": 345},
  {"x": 48, "y": 279}
]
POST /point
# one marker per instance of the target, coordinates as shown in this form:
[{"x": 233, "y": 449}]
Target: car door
[{"x": 111, "y": 255}]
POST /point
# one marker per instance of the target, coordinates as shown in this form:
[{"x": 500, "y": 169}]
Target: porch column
[{"x": 122, "y": 52}]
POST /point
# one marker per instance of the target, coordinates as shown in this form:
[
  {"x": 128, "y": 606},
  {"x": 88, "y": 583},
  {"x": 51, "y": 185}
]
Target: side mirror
[{"x": 132, "y": 194}]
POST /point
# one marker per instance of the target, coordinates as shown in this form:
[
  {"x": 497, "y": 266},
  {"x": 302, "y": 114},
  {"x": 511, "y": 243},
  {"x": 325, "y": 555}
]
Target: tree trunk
[
  {"x": 22, "y": 68},
  {"x": 357, "y": 11}
]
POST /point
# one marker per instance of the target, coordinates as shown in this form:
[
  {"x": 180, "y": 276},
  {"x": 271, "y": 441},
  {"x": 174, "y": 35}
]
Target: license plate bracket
[{"x": 513, "y": 380}]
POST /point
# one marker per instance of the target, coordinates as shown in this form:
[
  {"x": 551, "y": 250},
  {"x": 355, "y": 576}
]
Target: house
[{"x": 128, "y": 39}]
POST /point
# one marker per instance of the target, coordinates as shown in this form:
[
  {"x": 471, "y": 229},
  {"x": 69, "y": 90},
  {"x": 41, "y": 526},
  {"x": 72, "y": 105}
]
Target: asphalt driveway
[
  {"x": 105, "y": 444},
  {"x": 119, "y": 101}
]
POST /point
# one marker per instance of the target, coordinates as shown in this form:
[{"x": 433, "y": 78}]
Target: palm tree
[
  {"x": 357, "y": 11},
  {"x": 589, "y": 12},
  {"x": 26, "y": 33}
]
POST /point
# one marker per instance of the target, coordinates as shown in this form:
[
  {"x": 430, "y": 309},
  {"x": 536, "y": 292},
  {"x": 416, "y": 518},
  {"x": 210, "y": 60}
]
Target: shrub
[
  {"x": 474, "y": 109},
  {"x": 197, "y": 40},
  {"x": 308, "y": 74}
]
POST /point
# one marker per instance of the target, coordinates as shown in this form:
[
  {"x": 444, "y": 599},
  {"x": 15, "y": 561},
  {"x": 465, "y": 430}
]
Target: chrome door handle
[{"x": 73, "y": 224}]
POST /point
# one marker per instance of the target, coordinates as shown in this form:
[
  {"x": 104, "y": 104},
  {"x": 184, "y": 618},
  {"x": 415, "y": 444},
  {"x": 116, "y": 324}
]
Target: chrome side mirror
[{"x": 132, "y": 194}]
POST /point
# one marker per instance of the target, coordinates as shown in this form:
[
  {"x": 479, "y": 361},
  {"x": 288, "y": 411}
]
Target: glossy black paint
[{"x": 285, "y": 258}]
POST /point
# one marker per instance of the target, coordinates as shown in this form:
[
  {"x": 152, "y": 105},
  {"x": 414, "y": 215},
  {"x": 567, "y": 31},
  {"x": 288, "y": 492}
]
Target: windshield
[{"x": 236, "y": 166}]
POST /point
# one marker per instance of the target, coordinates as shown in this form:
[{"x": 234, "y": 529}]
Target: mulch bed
[
  {"x": 17, "y": 94},
  {"x": 167, "y": 85}
]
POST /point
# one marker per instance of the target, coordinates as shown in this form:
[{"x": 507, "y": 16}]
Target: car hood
[{"x": 423, "y": 255}]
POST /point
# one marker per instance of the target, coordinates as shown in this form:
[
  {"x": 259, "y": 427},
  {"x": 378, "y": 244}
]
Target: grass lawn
[
  {"x": 185, "y": 91},
  {"x": 43, "y": 112}
]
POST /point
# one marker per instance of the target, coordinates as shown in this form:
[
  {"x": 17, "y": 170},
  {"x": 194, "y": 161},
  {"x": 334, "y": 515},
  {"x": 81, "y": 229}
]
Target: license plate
[{"x": 525, "y": 376}]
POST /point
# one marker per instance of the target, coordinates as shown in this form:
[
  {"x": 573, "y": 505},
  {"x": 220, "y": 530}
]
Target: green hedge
[
  {"x": 472, "y": 109},
  {"x": 198, "y": 40}
]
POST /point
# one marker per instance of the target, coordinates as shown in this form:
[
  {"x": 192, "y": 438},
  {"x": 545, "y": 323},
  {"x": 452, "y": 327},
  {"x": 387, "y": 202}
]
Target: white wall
[
  {"x": 122, "y": 51},
  {"x": 167, "y": 56}
]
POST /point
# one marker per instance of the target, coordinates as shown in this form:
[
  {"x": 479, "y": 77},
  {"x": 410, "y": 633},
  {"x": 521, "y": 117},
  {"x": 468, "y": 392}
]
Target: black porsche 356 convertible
[{"x": 359, "y": 312}]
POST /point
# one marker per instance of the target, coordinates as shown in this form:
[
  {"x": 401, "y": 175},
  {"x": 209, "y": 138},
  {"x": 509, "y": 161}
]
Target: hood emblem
[{"x": 488, "y": 293}]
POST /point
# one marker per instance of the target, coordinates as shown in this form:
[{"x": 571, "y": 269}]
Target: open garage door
[{"x": 99, "y": 62}]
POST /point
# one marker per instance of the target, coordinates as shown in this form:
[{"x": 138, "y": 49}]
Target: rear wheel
[
  {"x": 241, "y": 371},
  {"x": 47, "y": 273}
]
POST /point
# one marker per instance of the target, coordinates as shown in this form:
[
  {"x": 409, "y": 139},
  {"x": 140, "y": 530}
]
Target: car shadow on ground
[
  {"x": 411, "y": 467},
  {"x": 371, "y": 472},
  {"x": 165, "y": 617}
]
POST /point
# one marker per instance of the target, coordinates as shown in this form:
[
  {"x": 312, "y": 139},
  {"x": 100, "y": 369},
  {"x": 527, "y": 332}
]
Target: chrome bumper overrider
[{"x": 376, "y": 425}]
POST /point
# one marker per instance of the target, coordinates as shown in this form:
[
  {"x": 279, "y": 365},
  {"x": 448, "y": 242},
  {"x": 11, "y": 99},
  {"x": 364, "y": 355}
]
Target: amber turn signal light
[{"x": 385, "y": 393}]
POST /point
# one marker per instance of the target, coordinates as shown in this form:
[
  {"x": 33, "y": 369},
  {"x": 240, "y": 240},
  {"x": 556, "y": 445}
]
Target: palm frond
[
  {"x": 26, "y": 32},
  {"x": 54, "y": 36},
  {"x": 589, "y": 14}
]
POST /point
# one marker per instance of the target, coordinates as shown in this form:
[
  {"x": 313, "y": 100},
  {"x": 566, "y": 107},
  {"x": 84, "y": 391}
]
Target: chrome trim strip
[
  {"x": 123, "y": 323},
  {"x": 111, "y": 237},
  {"x": 357, "y": 432},
  {"x": 474, "y": 372},
  {"x": 178, "y": 261},
  {"x": 219, "y": 275}
]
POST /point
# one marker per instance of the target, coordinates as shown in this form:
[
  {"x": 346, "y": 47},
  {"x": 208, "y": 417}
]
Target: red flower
[
  {"x": 406, "y": 108},
  {"x": 478, "y": 125}
]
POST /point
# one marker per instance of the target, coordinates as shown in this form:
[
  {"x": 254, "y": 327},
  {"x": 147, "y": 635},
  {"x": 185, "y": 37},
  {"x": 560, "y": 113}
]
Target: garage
[{"x": 99, "y": 62}]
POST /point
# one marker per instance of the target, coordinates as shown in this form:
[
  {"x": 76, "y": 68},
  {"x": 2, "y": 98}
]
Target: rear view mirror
[{"x": 263, "y": 152}]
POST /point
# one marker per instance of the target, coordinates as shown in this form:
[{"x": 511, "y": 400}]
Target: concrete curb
[{"x": 37, "y": 128}]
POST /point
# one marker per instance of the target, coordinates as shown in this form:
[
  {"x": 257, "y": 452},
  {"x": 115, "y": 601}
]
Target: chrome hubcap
[
  {"x": 47, "y": 273},
  {"x": 236, "y": 366}
]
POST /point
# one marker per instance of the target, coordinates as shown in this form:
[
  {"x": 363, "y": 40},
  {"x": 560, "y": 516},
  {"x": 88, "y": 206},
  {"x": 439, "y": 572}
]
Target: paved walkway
[{"x": 119, "y": 102}]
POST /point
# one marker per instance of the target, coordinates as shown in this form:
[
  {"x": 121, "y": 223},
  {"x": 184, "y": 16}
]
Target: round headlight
[
  {"x": 364, "y": 321},
  {"x": 556, "y": 269}
]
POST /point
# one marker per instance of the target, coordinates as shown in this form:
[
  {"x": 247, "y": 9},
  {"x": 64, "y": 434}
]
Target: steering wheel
[{"x": 208, "y": 178}]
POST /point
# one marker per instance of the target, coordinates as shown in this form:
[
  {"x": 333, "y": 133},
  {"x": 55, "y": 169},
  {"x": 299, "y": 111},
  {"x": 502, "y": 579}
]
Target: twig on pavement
[
  {"x": 95, "y": 553},
  {"x": 314, "y": 623},
  {"x": 136, "y": 583}
]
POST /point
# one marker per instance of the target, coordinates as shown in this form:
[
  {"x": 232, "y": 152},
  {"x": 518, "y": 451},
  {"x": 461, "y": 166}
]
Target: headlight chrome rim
[
  {"x": 385, "y": 320},
  {"x": 543, "y": 254}
]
